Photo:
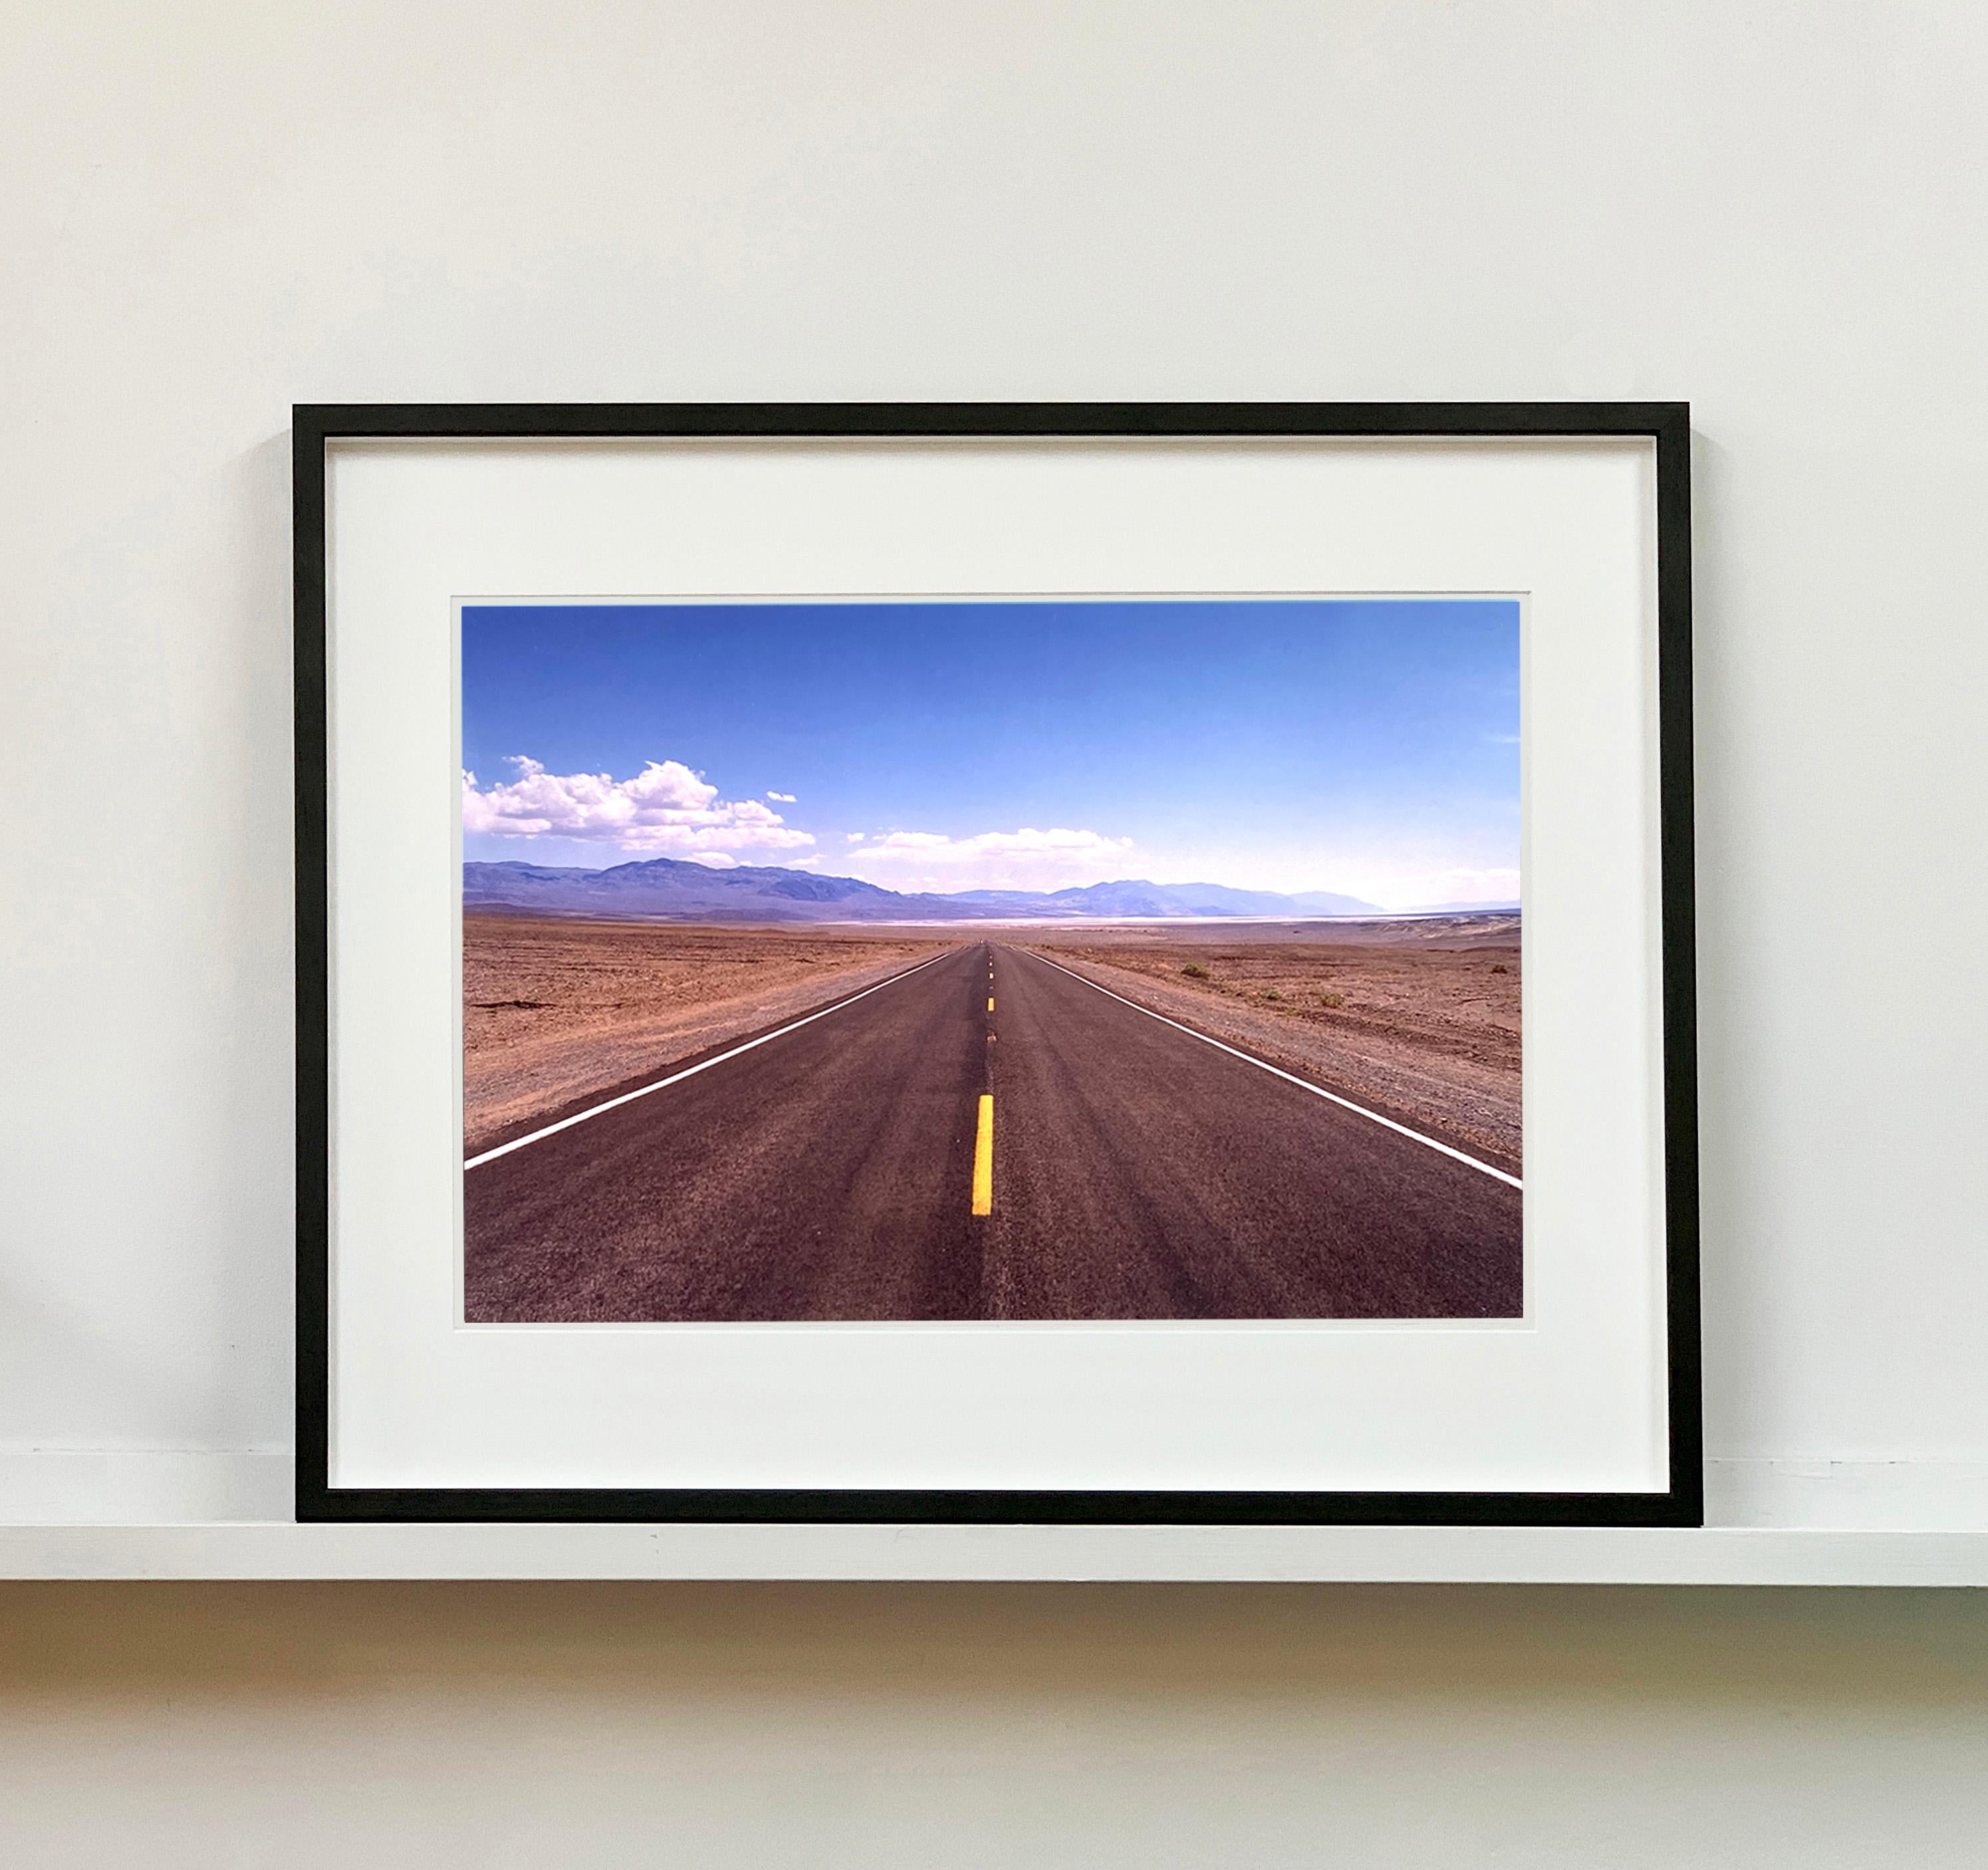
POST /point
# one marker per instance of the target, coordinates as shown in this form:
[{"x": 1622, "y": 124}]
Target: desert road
[{"x": 984, "y": 1135}]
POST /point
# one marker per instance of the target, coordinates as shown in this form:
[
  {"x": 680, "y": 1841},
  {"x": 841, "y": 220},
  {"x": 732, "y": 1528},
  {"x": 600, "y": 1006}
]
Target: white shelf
[
  {"x": 1393, "y": 1554},
  {"x": 138, "y": 1514}
]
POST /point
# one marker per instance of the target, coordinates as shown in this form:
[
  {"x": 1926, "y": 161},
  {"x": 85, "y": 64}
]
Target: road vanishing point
[{"x": 908, "y": 1153}]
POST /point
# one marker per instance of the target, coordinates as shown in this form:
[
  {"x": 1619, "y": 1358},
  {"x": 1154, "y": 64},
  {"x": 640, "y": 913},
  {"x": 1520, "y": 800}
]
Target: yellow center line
[
  {"x": 990, "y": 1003},
  {"x": 983, "y": 1158}
]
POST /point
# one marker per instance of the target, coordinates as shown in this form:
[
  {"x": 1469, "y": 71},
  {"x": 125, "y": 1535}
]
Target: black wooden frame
[{"x": 1667, "y": 424}]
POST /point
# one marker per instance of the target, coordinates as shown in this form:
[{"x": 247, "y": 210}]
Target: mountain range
[{"x": 669, "y": 889}]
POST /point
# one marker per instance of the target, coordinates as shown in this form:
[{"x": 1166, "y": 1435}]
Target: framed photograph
[{"x": 1052, "y": 963}]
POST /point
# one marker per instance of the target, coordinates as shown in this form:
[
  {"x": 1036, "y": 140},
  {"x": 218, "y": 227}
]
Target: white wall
[{"x": 211, "y": 211}]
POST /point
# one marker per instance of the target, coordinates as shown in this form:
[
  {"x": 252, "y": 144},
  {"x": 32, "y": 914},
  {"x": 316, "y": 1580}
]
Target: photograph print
[{"x": 985, "y": 961}]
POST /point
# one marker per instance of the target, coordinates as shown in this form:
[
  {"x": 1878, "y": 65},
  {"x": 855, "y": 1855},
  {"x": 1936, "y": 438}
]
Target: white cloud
[
  {"x": 933, "y": 847},
  {"x": 782, "y": 799},
  {"x": 852, "y": 837},
  {"x": 1024, "y": 860},
  {"x": 665, "y": 808}
]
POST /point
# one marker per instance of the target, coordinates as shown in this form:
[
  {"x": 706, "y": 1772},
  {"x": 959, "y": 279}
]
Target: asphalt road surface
[{"x": 985, "y": 1136}]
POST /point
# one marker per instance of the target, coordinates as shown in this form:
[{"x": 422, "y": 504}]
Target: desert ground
[
  {"x": 557, "y": 1011},
  {"x": 1418, "y": 1019}
]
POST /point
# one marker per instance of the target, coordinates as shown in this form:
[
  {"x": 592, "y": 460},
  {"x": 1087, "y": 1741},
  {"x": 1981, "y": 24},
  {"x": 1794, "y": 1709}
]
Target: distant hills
[
  {"x": 670, "y": 889},
  {"x": 1145, "y": 899}
]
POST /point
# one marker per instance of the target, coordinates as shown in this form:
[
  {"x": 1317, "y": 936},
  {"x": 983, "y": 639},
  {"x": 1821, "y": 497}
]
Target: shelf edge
[{"x": 1716, "y": 1555}]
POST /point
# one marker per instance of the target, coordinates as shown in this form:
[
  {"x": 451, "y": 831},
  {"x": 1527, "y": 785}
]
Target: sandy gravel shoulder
[
  {"x": 554, "y": 1054},
  {"x": 1472, "y": 1105}
]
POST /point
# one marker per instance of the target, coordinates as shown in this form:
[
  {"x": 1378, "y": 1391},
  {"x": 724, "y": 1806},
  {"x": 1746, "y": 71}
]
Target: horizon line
[{"x": 1408, "y": 908}]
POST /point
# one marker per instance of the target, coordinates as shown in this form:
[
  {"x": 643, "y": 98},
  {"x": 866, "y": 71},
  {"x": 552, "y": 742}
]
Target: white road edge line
[
  {"x": 676, "y": 1077},
  {"x": 1345, "y": 1103}
]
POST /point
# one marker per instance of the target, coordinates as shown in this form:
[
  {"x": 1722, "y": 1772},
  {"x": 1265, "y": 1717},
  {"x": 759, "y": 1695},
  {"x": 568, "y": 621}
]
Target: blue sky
[{"x": 1367, "y": 747}]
